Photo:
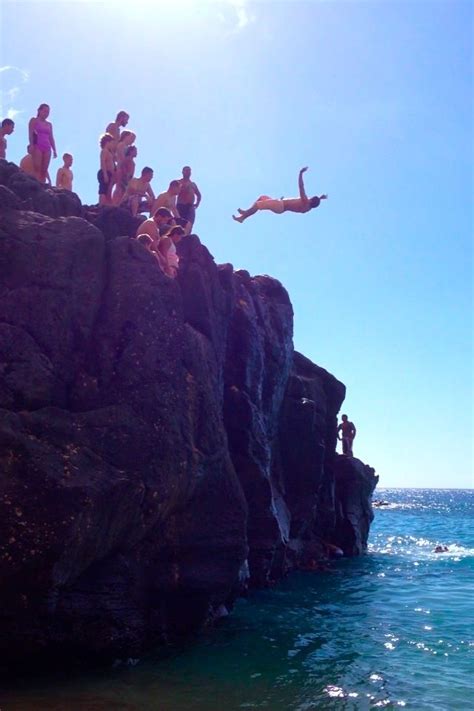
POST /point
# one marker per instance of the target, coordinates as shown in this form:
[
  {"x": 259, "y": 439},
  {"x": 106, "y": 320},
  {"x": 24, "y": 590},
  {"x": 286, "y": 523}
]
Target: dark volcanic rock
[
  {"x": 161, "y": 444},
  {"x": 112, "y": 221},
  {"x": 355, "y": 483},
  {"x": 35, "y": 196},
  {"x": 307, "y": 443},
  {"x": 260, "y": 350}
]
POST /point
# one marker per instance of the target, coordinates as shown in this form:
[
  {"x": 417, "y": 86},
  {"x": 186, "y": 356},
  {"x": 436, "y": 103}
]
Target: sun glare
[{"x": 182, "y": 9}]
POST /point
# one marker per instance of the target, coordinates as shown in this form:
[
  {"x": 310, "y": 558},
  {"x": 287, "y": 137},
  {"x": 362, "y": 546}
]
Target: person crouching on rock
[
  {"x": 155, "y": 228},
  {"x": 300, "y": 204},
  {"x": 139, "y": 195},
  {"x": 168, "y": 249},
  {"x": 149, "y": 245},
  {"x": 27, "y": 166}
]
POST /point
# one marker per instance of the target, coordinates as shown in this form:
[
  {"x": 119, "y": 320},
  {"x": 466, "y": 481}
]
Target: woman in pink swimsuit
[{"x": 41, "y": 142}]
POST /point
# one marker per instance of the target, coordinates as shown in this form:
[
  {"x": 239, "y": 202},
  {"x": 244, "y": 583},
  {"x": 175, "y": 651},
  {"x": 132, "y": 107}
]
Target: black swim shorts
[
  {"x": 103, "y": 187},
  {"x": 187, "y": 211}
]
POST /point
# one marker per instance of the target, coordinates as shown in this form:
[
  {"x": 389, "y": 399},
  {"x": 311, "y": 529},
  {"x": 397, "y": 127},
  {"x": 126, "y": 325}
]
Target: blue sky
[{"x": 376, "y": 98}]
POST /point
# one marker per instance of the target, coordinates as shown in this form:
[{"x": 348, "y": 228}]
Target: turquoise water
[{"x": 394, "y": 629}]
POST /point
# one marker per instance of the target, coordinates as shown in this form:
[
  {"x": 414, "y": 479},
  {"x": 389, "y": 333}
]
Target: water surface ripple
[{"x": 394, "y": 629}]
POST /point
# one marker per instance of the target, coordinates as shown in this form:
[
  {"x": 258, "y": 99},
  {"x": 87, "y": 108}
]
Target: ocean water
[{"x": 393, "y": 629}]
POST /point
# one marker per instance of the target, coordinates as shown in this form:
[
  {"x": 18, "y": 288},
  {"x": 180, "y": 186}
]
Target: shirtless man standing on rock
[
  {"x": 188, "y": 193},
  {"x": 346, "y": 433},
  {"x": 114, "y": 127},
  {"x": 300, "y": 204}
]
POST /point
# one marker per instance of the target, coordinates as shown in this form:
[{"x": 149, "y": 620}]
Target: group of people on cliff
[
  {"x": 116, "y": 176},
  {"x": 119, "y": 186},
  {"x": 40, "y": 146},
  {"x": 171, "y": 213},
  {"x": 117, "y": 183}
]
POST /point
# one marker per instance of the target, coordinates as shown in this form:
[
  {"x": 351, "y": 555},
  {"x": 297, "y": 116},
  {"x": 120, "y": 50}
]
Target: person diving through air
[{"x": 300, "y": 204}]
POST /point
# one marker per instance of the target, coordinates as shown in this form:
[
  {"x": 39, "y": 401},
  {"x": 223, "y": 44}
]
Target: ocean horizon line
[{"x": 426, "y": 488}]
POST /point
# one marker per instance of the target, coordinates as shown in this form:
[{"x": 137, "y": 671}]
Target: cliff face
[{"x": 161, "y": 444}]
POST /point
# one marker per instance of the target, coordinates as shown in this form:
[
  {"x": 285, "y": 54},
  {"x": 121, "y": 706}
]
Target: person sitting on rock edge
[
  {"x": 150, "y": 227},
  {"x": 139, "y": 195},
  {"x": 167, "y": 248},
  {"x": 300, "y": 204},
  {"x": 27, "y": 166},
  {"x": 154, "y": 227},
  {"x": 164, "y": 219},
  {"x": 158, "y": 225},
  {"x": 148, "y": 243}
]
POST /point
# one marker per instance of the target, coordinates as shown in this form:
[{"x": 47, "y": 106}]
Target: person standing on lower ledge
[
  {"x": 348, "y": 432},
  {"x": 300, "y": 204}
]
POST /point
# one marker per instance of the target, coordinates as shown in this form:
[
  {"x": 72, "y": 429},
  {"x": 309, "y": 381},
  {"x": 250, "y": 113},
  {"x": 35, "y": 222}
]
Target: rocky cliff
[{"x": 162, "y": 446}]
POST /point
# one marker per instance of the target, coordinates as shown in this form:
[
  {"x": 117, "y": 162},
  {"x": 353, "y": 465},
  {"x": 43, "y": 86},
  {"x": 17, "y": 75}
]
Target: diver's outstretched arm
[{"x": 303, "y": 195}]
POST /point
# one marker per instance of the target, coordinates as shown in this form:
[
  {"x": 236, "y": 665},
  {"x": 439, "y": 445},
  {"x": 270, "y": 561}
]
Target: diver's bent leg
[{"x": 246, "y": 213}]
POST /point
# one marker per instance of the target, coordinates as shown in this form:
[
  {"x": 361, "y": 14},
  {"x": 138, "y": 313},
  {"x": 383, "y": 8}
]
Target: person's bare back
[
  {"x": 149, "y": 227},
  {"x": 296, "y": 205},
  {"x": 168, "y": 199}
]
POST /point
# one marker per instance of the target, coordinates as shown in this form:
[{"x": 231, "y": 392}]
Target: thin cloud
[
  {"x": 11, "y": 94},
  {"x": 24, "y": 74},
  {"x": 244, "y": 17},
  {"x": 13, "y": 113},
  {"x": 241, "y": 15},
  {"x": 10, "y": 75}
]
